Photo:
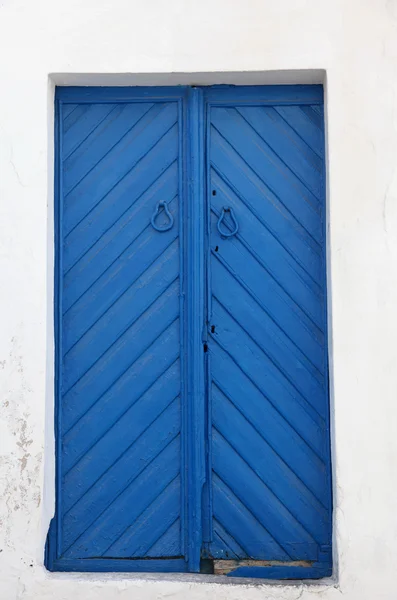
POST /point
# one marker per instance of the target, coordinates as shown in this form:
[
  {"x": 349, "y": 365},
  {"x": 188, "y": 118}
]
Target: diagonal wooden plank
[
  {"x": 72, "y": 118},
  {"x": 67, "y": 109},
  {"x": 112, "y": 170},
  {"x": 86, "y": 305},
  {"x": 302, "y": 212},
  {"x": 241, "y": 525},
  {"x": 118, "y": 355},
  {"x": 256, "y": 262},
  {"x": 111, "y": 237},
  {"x": 316, "y": 448},
  {"x": 232, "y": 336},
  {"x": 122, "y": 195},
  {"x": 80, "y": 411},
  {"x": 304, "y": 289},
  {"x": 316, "y": 114},
  {"x": 303, "y": 126},
  {"x": 303, "y": 335},
  {"x": 303, "y": 264},
  {"x": 267, "y": 334},
  {"x": 250, "y": 146},
  {"x": 266, "y": 273},
  {"x": 97, "y": 381},
  {"x": 248, "y": 487},
  {"x": 312, "y": 474},
  {"x": 224, "y": 545},
  {"x": 124, "y": 508},
  {"x": 123, "y": 311},
  {"x": 298, "y": 159},
  {"x": 269, "y": 422},
  {"x": 254, "y": 191},
  {"x": 275, "y": 472},
  {"x": 113, "y": 205},
  {"x": 248, "y": 322},
  {"x": 316, "y": 329},
  {"x": 169, "y": 543},
  {"x": 82, "y": 508},
  {"x": 91, "y": 450},
  {"x": 150, "y": 525},
  {"x": 88, "y": 136},
  {"x": 142, "y": 116},
  {"x": 107, "y": 283},
  {"x": 86, "y": 120},
  {"x": 102, "y": 138},
  {"x": 308, "y": 425}
]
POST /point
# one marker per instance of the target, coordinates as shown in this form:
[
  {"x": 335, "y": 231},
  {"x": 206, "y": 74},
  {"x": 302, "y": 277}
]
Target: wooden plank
[{"x": 223, "y": 567}]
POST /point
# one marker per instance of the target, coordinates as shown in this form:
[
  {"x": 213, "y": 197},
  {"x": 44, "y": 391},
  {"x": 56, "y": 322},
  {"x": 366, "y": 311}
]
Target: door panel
[
  {"x": 267, "y": 328},
  {"x": 120, "y": 395}
]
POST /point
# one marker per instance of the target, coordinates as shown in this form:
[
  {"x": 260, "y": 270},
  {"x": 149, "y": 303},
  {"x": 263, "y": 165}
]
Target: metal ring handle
[
  {"x": 227, "y": 234},
  {"x": 162, "y": 204}
]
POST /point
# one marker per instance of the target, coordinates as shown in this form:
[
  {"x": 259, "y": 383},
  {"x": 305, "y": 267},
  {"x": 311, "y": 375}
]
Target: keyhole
[
  {"x": 216, "y": 248},
  {"x": 212, "y": 328},
  {"x": 214, "y": 192}
]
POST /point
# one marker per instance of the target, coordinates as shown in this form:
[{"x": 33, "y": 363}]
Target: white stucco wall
[{"x": 355, "y": 42}]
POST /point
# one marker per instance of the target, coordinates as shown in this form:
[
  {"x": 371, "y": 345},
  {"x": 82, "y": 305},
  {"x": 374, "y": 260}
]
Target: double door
[{"x": 191, "y": 353}]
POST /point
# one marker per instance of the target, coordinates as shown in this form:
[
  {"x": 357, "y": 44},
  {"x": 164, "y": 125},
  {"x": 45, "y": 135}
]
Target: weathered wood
[{"x": 223, "y": 567}]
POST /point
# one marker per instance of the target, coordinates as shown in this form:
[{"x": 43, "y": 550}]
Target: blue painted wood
[
  {"x": 195, "y": 384},
  {"x": 273, "y": 95},
  {"x": 267, "y": 333},
  {"x": 191, "y": 367},
  {"x": 280, "y": 572},
  {"x": 177, "y": 565},
  {"x": 119, "y": 341}
]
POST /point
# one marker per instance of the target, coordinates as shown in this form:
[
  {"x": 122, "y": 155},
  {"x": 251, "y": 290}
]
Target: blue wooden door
[
  {"x": 190, "y": 313},
  {"x": 267, "y": 325},
  {"x": 119, "y": 333}
]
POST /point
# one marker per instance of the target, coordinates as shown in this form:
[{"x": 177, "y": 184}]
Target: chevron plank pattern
[
  {"x": 269, "y": 446},
  {"x": 120, "y": 404}
]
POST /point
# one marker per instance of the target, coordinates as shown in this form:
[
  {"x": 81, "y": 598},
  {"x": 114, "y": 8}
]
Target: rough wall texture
[{"x": 356, "y": 43}]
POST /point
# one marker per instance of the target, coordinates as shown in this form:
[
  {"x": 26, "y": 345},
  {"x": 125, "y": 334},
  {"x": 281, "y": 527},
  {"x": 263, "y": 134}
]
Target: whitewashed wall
[{"x": 355, "y": 42}]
